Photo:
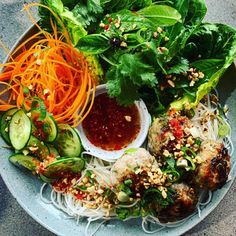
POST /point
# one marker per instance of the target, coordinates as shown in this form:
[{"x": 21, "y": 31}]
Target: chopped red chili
[
  {"x": 176, "y": 128},
  {"x": 79, "y": 196}
]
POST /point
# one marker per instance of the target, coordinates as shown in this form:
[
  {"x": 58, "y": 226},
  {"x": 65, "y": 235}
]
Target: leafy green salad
[{"x": 160, "y": 51}]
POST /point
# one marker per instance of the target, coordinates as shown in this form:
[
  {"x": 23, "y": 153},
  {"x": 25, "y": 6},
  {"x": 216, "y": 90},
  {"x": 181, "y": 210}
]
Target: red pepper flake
[
  {"x": 79, "y": 196},
  {"x": 178, "y": 134},
  {"x": 110, "y": 20},
  {"x": 107, "y": 27},
  {"x": 176, "y": 128},
  {"x": 64, "y": 183},
  {"x": 39, "y": 132},
  {"x": 174, "y": 123}
]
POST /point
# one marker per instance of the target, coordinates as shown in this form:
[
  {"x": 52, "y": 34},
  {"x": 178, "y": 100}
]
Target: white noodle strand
[{"x": 206, "y": 123}]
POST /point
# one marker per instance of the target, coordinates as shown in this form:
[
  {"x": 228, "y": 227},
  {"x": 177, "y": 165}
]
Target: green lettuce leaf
[
  {"x": 161, "y": 15},
  {"x": 215, "y": 45},
  {"x": 192, "y": 12},
  {"x": 111, "y": 6},
  {"x": 72, "y": 23}
]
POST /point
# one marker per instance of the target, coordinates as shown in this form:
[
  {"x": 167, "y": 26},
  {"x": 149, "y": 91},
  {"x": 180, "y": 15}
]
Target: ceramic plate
[{"x": 25, "y": 187}]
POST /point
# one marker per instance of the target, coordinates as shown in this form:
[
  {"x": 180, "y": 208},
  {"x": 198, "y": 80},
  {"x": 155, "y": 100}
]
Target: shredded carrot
[{"x": 52, "y": 70}]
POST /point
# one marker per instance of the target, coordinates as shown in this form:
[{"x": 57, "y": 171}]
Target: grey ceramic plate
[{"x": 25, "y": 188}]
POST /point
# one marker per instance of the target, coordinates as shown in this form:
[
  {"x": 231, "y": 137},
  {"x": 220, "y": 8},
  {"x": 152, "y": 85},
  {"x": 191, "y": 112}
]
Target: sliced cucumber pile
[{"x": 41, "y": 145}]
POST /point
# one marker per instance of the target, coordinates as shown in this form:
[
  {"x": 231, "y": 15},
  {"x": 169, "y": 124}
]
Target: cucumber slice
[
  {"x": 44, "y": 129},
  {"x": 27, "y": 162},
  {"x": 53, "y": 151},
  {"x": 37, "y": 148},
  {"x": 4, "y": 124},
  {"x": 19, "y": 130},
  {"x": 45, "y": 179},
  {"x": 67, "y": 165},
  {"x": 68, "y": 142}
]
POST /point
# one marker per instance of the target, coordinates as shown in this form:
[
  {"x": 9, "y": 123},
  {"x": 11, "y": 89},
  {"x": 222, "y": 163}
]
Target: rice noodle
[{"x": 74, "y": 208}]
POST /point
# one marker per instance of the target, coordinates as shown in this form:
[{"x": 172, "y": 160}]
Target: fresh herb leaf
[
  {"x": 154, "y": 195},
  {"x": 74, "y": 27},
  {"x": 107, "y": 192},
  {"x": 122, "y": 213},
  {"x": 198, "y": 141},
  {"x": 171, "y": 162},
  {"x": 88, "y": 173},
  {"x": 161, "y": 15},
  {"x": 128, "y": 182},
  {"x": 223, "y": 129},
  {"x": 125, "y": 79},
  {"x": 93, "y": 44},
  {"x": 114, "y": 6},
  {"x": 181, "y": 66},
  {"x": 82, "y": 188},
  {"x": 123, "y": 187}
]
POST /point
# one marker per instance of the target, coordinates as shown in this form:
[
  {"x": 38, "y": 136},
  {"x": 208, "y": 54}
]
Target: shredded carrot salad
[{"x": 52, "y": 70}]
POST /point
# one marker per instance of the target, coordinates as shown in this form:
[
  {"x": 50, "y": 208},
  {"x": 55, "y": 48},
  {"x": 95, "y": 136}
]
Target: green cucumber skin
[
  {"x": 53, "y": 151},
  {"x": 73, "y": 165},
  {"x": 20, "y": 134},
  {"x": 5, "y": 124},
  {"x": 54, "y": 132},
  {"x": 28, "y": 162},
  {"x": 68, "y": 141},
  {"x": 49, "y": 135},
  {"x": 42, "y": 149}
]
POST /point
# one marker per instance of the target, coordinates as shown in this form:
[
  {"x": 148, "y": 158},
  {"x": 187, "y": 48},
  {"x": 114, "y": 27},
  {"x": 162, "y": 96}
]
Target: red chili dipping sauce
[{"x": 111, "y": 126}]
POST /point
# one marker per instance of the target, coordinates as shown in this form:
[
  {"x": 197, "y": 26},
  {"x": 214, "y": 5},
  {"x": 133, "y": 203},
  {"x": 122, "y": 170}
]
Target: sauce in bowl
[{"x": 111, "y": 126}]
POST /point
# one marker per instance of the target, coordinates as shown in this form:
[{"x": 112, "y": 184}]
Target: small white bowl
[{"x": 145, "y": 121}]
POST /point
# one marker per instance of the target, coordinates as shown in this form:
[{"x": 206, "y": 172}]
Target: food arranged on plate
[{"x": 114, "y": 106}]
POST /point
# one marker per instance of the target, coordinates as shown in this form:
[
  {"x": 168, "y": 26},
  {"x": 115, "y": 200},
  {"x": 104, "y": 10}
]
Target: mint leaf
[{"x": 181, "y": 66}]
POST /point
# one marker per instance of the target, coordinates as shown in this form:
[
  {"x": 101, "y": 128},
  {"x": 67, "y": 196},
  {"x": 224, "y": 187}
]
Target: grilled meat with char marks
[{"x": 212, "y": 173}]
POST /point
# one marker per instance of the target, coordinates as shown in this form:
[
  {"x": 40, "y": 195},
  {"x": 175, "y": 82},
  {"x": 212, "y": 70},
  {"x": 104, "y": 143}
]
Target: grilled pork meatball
[
  {"x": 184, "y": 204},
  {"x": 155, "y": 139},
  {"x": 130, "y": 162},
  {"x": 138, "y": 171},
  {"x": 213, "y": 170},
  {"x": 167, "y": 133}
]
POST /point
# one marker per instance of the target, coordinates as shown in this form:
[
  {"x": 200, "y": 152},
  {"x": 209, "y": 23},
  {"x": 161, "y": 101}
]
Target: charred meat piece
[
  {"x": 184, "y": 204},
  {"x": 212, "y": 173}
]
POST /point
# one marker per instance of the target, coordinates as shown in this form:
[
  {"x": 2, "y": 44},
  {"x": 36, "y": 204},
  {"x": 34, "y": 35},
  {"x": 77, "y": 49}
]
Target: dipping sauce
[{"x": 111, "y": 126}]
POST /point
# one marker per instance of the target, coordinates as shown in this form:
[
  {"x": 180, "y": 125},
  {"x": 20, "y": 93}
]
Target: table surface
[{"x": 15, "y": 221}]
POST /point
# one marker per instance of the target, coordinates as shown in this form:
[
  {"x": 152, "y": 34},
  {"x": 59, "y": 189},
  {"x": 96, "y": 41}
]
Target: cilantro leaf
[
  {"x": 154, "y": 195},
  {"x": 171, "y": 162},
  {"x": 125, "y": 79}
]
